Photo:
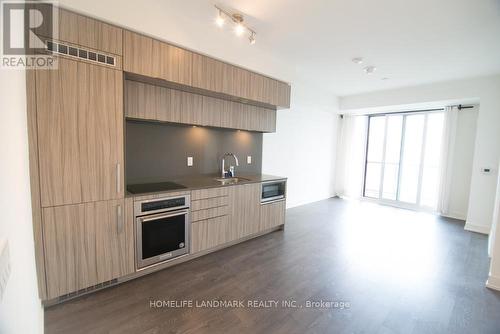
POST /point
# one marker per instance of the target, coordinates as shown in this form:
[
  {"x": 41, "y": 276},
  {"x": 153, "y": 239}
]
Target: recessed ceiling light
[
  {"x": 370, "y": 69},
  {"x": 357, "y": 60}
]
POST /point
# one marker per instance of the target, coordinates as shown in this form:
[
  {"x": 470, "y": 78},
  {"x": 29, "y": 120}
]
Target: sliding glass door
[{"x": 403, "y": 157}]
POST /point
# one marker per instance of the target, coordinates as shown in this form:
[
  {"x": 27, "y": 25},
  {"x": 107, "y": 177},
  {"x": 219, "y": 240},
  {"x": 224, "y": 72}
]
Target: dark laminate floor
[{"x": 401, "y": 272}]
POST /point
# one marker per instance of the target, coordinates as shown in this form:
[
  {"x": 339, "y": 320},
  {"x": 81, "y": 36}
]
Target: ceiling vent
[{"x": 80, "y": 53}]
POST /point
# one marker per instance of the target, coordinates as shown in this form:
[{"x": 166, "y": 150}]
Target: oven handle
[{"x": 145, "y": 219}]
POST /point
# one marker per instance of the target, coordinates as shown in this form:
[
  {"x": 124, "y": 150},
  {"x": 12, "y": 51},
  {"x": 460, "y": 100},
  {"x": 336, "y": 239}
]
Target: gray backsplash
[{"x": 159, "y": 151}]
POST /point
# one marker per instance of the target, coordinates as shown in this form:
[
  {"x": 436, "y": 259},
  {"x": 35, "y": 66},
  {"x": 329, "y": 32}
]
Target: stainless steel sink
[{"x": 231, "y": 180}]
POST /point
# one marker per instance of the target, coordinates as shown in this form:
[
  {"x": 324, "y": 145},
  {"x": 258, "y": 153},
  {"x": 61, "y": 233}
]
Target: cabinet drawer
[
  {"x": 208, "y": 193},
  {"x": 209, "y": 233},
  {"x": 208, "y": 203},
  {"x": 209, "y": 213}
]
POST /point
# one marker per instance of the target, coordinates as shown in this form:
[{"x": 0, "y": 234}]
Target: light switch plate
[
  {"x": 249, "y": 159},
  {"x": 190, "y": 161},
  {"x": 4, "y": 266}
]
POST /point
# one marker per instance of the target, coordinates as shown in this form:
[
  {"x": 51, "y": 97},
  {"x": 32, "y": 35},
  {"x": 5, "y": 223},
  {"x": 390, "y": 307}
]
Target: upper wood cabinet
[
  {"x": 86, "y": 244},
  {"x": 80, "y": 133},
  {"x": 85, "y": 31},
  {"x": 150, "y": 102},
  {"x": 149, "y": 57},
  {"x": 146, "y": 56}
]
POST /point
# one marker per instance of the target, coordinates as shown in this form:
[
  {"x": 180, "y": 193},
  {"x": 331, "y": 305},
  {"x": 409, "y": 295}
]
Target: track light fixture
[{"x": 239, "y": 25}]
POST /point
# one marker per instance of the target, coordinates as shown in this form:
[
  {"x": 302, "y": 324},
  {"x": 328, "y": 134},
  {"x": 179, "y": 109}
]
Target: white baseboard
[
  {"x": 290, "y": 205},
  {"x": 493, "y": 283},
  {"x": 477, "y": 228},
  {"x": 455, "y": 215}
]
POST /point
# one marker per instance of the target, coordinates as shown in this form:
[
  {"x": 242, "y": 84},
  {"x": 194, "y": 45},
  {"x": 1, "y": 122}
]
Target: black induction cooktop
[{"x": 153, "y": 187}]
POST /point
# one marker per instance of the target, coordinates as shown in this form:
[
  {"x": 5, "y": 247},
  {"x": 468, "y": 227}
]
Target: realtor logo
[{"x": 26, "y": 27}]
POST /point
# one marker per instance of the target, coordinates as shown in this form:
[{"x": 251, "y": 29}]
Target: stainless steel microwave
[{"x": 273, "y": 191}]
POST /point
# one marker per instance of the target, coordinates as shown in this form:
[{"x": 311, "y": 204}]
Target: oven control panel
[{"x": 161, "y": 205}]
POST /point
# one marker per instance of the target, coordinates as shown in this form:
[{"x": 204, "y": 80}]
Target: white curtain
[
  {"x": 351, "y": 156},
  {"x": 447, "y": 155}
]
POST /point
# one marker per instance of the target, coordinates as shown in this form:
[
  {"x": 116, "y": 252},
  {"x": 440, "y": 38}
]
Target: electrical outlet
[
  {"x": 249, "y": 159},
  {"x": 190, "y": 161},
  {"x": 4, "y": 266},
  {"x": 486, "y": 170}
]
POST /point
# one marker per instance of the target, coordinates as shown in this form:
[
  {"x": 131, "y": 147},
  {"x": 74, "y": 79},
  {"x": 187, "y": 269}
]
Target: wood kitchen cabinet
[
  {"x": 244, "y": 209},
  {"x": 86, "y": 244},
  {"x": 210, "y": 225},
  {"x": 138, "y": 55},
  {"x": 272, "y": 215},
  {"x": 80, "y": 133},
  {"x": 149, "y": 57},
  {"x": 209, "y": 233},
  {"x": 208, "y": 73},
  {"x": 151, "y": 102},
  {"x": 175, "y": 63}
]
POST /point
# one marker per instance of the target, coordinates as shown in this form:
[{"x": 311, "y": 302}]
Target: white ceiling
[{"x": 411, "y": 42}]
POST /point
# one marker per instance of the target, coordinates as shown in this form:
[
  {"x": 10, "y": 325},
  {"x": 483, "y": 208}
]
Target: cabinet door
[
  {"x": 97, "y": 35},
  {"x": 190, "y": 106},
  {"x": 209, "y": 233},
  {"x": 212, "y": 111},
  {"x": 138, "y": 55},
  {"x": 257, "y": 90},
  {"x": 80, "y": 133},
  {"x": 142, "y": 101},
  {"x": 272, "y": 215},
  {"x": 282, "y": 97},
  {"x": 175, "y": 64},
  {"x": 84, "y": 31},
  {"x": 208, "y": 73},
  {"x": 146, "y": 56},
  {"x": 268, "y": 120},
  {"x": 86, "y": 244},
  {"x": 244, "y": 210}
]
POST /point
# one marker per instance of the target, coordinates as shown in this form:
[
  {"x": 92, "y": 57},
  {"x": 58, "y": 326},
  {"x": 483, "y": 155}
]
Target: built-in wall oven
[
  {"x": 162, "y": 229},
  {"x": 273, "y": 191}
]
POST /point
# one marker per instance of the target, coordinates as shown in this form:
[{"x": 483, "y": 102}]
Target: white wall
[
  {"x": 20, "y": 308},
  {"x": 303, "y": 147},
  {"x": 487, "y": 143}
]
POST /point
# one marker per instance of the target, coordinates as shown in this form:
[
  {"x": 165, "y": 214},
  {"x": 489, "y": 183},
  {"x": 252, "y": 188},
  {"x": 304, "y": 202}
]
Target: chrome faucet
[{"x": 231, "y": 168}]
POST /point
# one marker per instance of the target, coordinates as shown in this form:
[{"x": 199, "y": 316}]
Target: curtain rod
[{"x": 459, "y": 106}]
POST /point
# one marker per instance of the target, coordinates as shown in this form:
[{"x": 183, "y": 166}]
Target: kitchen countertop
[{"x": 208, "y": 181}]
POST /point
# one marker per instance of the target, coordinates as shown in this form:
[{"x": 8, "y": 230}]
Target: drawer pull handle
[
  {"x": 118, "y": 177},
  {"x": 119, "y": 219}
]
